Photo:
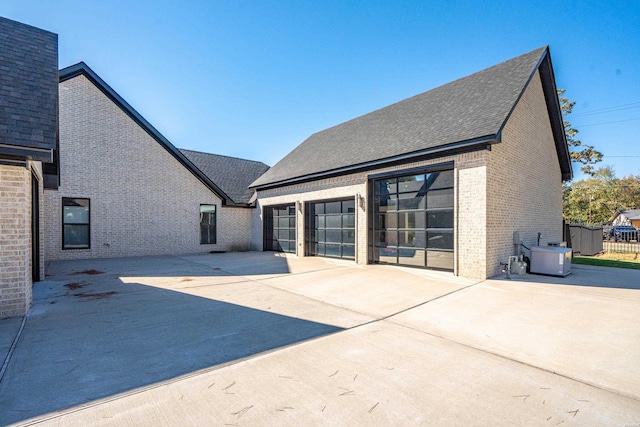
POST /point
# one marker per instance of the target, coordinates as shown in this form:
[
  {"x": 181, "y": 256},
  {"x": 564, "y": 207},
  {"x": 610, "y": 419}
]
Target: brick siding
[
  {"x": 524, "y": 183},
  {"x": 15, "y": 238},
  {"x": 143, "y": 201}
]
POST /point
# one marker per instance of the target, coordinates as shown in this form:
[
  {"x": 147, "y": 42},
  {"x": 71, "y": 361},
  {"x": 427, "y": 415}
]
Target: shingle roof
[
  {"x": 473, "y": 109},
  {"x": 211, "y": 181},
  {"x": 28, "y": 89},
  {"x": 631, "y": 213},
  {"x": 231, "y": 174}
]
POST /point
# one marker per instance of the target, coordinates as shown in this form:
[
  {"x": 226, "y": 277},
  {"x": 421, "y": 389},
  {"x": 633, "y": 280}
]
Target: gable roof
[
  {"x": 467, "y": 113},
  {"x": 231, "y": 174},
  {"x": 83, "y": 69}
]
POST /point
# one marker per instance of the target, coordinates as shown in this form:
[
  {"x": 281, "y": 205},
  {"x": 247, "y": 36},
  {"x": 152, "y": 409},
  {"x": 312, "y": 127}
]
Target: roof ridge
[
  {"x": 222, "y": 155},
  {"x": 471, "y": 108},
  {"x": 81, "y": 68},
  {"x": 434, "y": 88}
]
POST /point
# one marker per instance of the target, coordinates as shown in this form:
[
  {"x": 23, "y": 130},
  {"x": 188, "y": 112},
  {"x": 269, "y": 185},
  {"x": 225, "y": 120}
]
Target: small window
[
  {"x": 75, "y": 223},
  {"x": 207, "y": 224}
]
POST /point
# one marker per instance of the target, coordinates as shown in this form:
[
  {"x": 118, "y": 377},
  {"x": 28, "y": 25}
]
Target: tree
[
  {"x": 597, "y": 198},
  {"x": 580, "y": 153},
  {"x": 630, "y": 192}
]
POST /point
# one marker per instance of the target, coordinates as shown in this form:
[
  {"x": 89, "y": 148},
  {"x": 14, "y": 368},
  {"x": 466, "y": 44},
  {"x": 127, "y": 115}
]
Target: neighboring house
[
  {"x": 125, "y": 190},
  {"x": 441, "y": 180},
  {"x": 627, "y": 217},
  {"x": 28, "y": 132}
]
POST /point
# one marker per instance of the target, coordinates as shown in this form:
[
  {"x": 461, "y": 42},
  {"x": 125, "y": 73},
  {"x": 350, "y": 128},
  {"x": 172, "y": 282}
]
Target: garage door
[
  {"x": 330, "y": 227},
  {"x": 280, "y": 228},
  {"x": 413, "y": 220}
]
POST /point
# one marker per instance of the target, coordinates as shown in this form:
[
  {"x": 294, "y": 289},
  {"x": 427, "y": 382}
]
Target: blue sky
[{"x": 253, "y": 79}]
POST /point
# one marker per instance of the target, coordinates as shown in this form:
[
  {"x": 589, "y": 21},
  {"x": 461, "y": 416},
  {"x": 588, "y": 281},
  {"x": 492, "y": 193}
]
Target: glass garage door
[
  {"x": 331, "y": 228},
  {"x": 413, "y": 220},
  {"x": 280, "y": 228}
]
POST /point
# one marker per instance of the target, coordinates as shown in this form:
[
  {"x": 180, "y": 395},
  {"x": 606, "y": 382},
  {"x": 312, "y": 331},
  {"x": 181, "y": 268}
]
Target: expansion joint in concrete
[{"x": 7, "y": 359}]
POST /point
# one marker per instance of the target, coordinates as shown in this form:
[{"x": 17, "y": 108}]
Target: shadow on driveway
[{"x": 85, "y": 341}]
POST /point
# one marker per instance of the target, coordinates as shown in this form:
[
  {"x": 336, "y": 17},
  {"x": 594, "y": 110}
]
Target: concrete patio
[{"x": 270, "y": 339}]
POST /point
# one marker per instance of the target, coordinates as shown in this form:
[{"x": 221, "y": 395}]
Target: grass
[{"x": 610, "y": 260}]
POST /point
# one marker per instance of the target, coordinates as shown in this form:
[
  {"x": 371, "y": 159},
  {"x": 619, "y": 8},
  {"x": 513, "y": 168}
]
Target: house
[
  {"x": 125, "y": 190},
  {"x": 627, "y": 217},
  {"x": 441, "y": 180},
  {"x": 28, "y": 132}
]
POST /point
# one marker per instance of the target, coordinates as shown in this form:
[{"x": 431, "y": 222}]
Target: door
[
  {"x": 331, "y": 228},
  {"x": 413, "y": 217},
  {"x": 280, "y": 228}
]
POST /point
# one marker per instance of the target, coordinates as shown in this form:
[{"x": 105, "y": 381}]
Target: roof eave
[
  {"x": 83, "y": 69},
  {"x": 475, "y": 144},
  {"x": 553, "y": 108},
  {"x": 550, "y": 90}
]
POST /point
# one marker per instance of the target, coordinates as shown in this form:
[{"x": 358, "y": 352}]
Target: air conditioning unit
[{"x": 550, "y": 260}]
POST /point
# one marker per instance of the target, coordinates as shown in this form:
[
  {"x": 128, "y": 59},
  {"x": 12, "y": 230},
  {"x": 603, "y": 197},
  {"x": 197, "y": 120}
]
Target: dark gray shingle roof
[
  {"x": 231, "y": 174},
  {"x": 471, "y": 108},
  {"x": 28, "y": 86}
]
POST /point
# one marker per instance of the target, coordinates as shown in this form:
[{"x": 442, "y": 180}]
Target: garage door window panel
[
  {"x": 348, "y": 236},
  {"x": 440, "y": 260},
  {"x": 440, "y": 240},
  {"x": 411, "y": 238},
  {"x": 412, "y": 257},
  {"x": 333, "y": 221},
  {"x": 443, "y": 179},
  {"x": 348, "y": 251},
  {"x": 412, "y": 183},
  {"x": 387, "y": 203},
  {"x": 440, "y": 198},
  {"x": 411, "y": 201},
  {"x": 440, "y": 219}
]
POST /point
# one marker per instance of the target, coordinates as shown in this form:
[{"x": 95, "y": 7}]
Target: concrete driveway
[{"x": 269, "y": 339}]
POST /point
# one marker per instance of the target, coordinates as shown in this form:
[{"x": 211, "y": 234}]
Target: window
[
  {"x": 75, "y": 223},
  {"x": 207, "y": 224}
]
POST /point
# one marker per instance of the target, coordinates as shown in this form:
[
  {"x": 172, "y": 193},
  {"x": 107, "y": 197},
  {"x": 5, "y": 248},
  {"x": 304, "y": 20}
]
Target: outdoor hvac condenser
[{"x": 550, "y": 260}]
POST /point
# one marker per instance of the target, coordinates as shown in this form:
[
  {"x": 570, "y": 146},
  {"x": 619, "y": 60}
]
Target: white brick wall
[
  {"x": 143, "y": 201},
  {"x": 524, "y": 190},
  {"x": 15, "y": 238},
  {"x": 471, "y": 215}
]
